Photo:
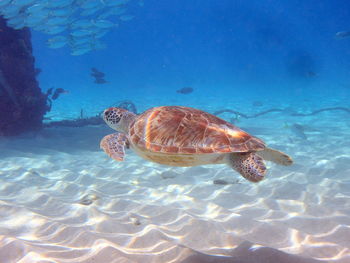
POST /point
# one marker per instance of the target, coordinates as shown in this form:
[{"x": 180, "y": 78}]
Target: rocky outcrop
[{"x": 22, "y": 104}]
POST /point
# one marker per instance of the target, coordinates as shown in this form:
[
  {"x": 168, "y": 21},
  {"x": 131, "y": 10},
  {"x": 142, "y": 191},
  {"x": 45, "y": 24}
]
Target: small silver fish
[
  {"x": 36, "y": 9},
  {"x": 79, "y": 41},
  {"x": 23, "y": 2},
  {"x": 342, "y": 34},
  {"x": 4, "y": 3},
  {"x": 59, "y": 3},
  {"x": 55, "y": 30},
  {"x": 80, "y": 33},
  {"x": 62, "y": 12},
  {"x": 112, "y": 12},
  {"x": 101, "y": 33},
  {"x": 57, "y": 42},
  {"x": 126, "y": 17},
  {"x": 298, "y": 130},
  {"x": 104, "y": 24},
  {"x": 115, "y": 2},
  {"x": 78, "y": 50},
  {"x": 40, "y": 27},
  {"x": 57, "y": 21},
  {"x": 89, "y": 12},
  {"x": 81, "y": 23},
  {"x": 16, "y": 22},
  {"x": 33, "y": 21},
  {"x": 10, "y": 11},
  {"x": 91, "y": 4}
]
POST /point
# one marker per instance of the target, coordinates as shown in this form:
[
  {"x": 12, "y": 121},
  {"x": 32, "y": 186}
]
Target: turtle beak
[{"x": 103, "y": 114}]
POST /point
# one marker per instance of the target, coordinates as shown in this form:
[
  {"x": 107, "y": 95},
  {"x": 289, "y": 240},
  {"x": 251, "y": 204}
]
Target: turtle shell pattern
[{"x": 184, "y": 130}]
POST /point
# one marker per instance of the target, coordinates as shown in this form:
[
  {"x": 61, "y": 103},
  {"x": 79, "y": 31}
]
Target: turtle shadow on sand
[{"x": 245, "y": 253}]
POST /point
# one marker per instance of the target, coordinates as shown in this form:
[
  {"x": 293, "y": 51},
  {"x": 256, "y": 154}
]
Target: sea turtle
[{"x": 183, "y": 136}]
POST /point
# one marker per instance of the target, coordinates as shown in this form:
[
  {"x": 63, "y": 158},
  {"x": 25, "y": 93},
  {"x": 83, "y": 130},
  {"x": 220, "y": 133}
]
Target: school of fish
[{"x": 78, "y": 24}]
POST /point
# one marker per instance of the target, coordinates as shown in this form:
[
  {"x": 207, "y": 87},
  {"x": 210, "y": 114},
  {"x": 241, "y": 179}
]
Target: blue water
[{"x": 229, "y": 48}]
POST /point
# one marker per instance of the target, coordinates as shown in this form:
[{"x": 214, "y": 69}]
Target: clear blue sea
[{"x": 227, "y": 50}]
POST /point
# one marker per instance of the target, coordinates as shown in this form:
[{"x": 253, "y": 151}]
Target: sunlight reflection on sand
[{"x": 140, "y": 216}]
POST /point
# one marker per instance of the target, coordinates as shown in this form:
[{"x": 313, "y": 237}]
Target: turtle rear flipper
[
  {"x": 275, "y": 156},
  {"x": 114, "y": 145},
  {"x": 249, "y": 165}
]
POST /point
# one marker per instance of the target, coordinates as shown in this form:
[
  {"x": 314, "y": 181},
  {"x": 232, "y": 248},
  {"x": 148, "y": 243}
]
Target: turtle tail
[{"x": 249, "y": 165}]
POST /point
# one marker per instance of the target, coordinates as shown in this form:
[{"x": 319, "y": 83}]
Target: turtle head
[{"x": 118, "y": 119}]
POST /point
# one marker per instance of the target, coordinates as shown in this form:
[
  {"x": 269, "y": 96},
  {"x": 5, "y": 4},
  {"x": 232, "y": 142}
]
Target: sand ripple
[{"x": 150, "y": 213}]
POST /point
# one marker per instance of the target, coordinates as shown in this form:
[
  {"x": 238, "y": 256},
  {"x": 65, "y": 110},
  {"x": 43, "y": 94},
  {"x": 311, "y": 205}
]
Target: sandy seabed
[{"x": 63, "y": 200}]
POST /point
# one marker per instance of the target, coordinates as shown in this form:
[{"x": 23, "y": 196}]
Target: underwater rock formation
[{"x": 22, "y": 104}]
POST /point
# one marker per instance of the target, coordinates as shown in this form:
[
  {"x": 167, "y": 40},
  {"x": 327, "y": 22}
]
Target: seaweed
[
  {"x": 129, "y": 105},
  {"x": 297, "y": 114}
]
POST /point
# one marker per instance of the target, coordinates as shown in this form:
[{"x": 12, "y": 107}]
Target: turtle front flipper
[
  {"x": 249, "y": 165},
  {"x": 114, "y": 145},
  {"x": 275, "y": 156}
]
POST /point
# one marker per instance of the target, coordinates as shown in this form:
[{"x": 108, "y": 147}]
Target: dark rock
[{"x": 22, "y": 104}]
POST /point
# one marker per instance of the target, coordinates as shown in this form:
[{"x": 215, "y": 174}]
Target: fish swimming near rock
[
  {"x": 98, "y": 75},
  {"x": 55, "y": 96},
  {"x": 49, "y": 91},
  {"x": 342, "y": 34},
  {"x": 185, "y": 90},
  {"x": 57, "y": 93},
  {"x": 100, "y": 81}
]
